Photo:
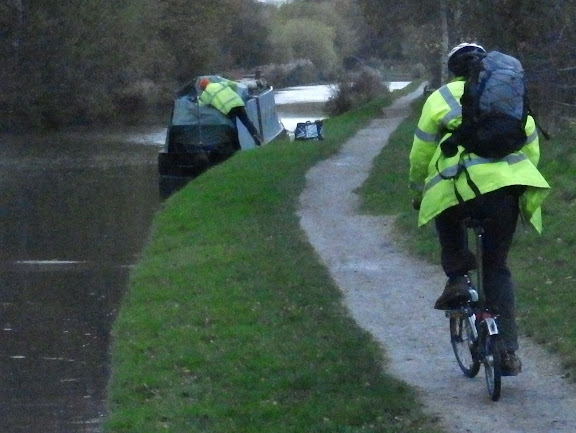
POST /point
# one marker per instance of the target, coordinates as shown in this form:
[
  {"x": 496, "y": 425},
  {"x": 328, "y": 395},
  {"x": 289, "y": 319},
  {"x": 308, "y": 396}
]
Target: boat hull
[{"x": 200, "y": 137}]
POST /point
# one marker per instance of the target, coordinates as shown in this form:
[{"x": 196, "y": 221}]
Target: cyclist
[{"x": 508, "y": 187}]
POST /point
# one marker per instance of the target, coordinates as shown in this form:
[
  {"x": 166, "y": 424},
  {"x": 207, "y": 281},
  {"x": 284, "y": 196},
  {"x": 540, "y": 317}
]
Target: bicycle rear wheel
[
  {"x": 492, "y": 365},
  {"x": 464, "y": 344}
]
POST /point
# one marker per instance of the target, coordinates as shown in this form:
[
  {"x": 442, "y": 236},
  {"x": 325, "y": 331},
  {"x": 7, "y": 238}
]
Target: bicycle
[{"x": 473, "y": 328}]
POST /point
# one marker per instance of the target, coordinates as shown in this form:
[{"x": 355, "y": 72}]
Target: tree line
[
  {"x": 92, "y": 61},
  {"x": 98, "y": 60},
  {"x": 541, "y": 33}
]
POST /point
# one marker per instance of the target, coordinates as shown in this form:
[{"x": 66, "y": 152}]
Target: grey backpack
[{"x": 494, "y": 106}]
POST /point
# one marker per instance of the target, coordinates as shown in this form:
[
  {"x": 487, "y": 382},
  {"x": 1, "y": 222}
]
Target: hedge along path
[{"x": 391, "y": 294}]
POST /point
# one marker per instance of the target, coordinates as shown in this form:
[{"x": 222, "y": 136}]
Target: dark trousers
[
  {"x": 499, "y": 210},
  {"x": 242, "y": 115}
]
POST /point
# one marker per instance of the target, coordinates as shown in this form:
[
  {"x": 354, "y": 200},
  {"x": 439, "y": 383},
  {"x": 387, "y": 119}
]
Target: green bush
[
  {"x": 296, "y": 73},
  {"x": 354, "y": 91}
]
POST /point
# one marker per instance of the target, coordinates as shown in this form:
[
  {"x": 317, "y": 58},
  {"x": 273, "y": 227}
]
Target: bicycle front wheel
[
  {"x": 464, "y": 344},
  {"x": 492, "y": 366}
]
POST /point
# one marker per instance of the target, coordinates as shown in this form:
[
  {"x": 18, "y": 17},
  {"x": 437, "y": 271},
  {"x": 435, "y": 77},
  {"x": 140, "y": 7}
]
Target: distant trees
[
  {"x": 93, "y": 60},
  {"x": 316, "y": 36},
  {"x": 540, "y": 32},
  {"x": 322, "y": 31},
  {"x": 204, "y": 36},
  {"x": 64, "y": 61},
  {"x": 305, "y": 38}
]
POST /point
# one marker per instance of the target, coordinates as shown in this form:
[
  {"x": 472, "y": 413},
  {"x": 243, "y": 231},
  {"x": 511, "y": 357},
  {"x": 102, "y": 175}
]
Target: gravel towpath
[{"x": 391, "y": 294}]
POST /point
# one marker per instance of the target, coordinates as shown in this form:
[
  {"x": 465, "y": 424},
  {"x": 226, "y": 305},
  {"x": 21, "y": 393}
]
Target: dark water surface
[{"x": 75, "y": 211}]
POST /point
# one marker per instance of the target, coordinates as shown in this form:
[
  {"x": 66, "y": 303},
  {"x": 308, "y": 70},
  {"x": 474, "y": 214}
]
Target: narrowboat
[{"x": 199, "y": 136}]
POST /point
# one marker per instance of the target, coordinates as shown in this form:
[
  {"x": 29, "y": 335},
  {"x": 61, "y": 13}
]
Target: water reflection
[
  {"x": 301, "y": 104},
  {"x": 306, "y": 103},
  {"x": 291, "y": 95},
  {"x": 75, "y": 211}
]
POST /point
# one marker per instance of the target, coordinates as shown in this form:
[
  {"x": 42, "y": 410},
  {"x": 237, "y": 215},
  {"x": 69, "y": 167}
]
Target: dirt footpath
[{"x": 391, "y": 294}]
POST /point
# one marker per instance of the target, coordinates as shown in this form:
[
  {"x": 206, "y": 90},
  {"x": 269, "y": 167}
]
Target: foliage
[
  {"x": 203, "y": 39},
  {"x": 391, "y": 22},
  {"x": 246, "y": 41},
  {"x": 94, "y": 60},
  {"x": 342, "y": 17},
  {"x": 323, "y": 32},
  {"x": 295, "y": 73},
  {"x": 352, "y": 91},
  {"x": 64, "y": 50},
  {"x": 309, "y": 40},
  {"x": 539, "y": 32}
]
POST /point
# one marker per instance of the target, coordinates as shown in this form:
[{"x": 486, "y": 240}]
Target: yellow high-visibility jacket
[
  {"x": 221, "y": 96},
  {"x": 442, "y": 113}
]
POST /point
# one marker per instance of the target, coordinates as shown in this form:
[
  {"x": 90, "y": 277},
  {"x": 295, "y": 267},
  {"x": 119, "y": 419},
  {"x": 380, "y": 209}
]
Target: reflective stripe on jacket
[
  {"x": 433, "y": 177},
  {"x": 221, "y": 96}
]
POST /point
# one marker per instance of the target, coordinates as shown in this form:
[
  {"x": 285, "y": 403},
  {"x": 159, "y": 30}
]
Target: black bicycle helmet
[{"x": 460, "y": 56}]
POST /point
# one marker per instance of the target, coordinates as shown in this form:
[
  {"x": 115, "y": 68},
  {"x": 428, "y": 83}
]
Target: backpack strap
[
  {"x": 540, "y": 128},
  {"x": 470, "y": 102},
  {"x": 461, "y": 169},
  {"x": 471, "y": 183},
  {"x": 453, "y": 179}
]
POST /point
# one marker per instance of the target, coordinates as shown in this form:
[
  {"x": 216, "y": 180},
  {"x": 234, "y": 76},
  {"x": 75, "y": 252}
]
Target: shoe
[
  {"x": 455, "y": 294},
  {"x": 510, "y": 364}
]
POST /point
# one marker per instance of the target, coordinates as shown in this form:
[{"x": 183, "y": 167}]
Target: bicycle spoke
[{"x": 464, "y": 345}]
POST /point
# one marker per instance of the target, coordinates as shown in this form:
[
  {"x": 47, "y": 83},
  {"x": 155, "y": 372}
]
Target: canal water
[
  {"x": 305, "y": 103},
  {"x": 75, "y": 211}
]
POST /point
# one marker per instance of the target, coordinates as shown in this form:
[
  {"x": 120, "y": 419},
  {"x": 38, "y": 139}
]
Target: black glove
[{"x": 450, "y": 146}]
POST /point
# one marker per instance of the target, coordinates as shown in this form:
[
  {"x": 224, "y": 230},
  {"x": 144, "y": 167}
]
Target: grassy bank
[
  {"x": 230, "y": 323},
  {"x": 543, "y": 266}
]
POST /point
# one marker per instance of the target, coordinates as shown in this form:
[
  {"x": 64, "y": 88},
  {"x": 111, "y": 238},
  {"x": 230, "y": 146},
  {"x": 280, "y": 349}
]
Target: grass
[
  {"x": 542, "y": 265},
  {"x": 231, "y": 324}
]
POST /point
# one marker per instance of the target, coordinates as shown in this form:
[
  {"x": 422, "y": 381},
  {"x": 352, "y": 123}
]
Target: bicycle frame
[
  {"x": 473, "y": 328},
  {"x": 490, "y": 321},
  {"x": 478, "y": 231}
]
